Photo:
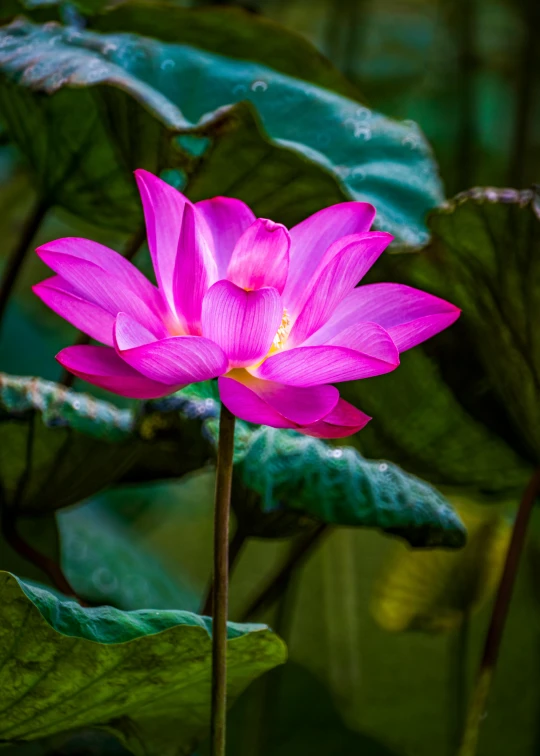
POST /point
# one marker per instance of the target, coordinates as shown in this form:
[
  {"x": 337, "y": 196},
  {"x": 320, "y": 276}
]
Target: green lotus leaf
[
  {"x": 463, "y": 410},
  {"x": 290, "y": 149},
  {"x": 285, "y": 481},
  {"x": 58, "y": 446},
  {"x": 229, "y": 31},
  {"x": 437, "y": 591},
  {"x": 143, "y": 676}
]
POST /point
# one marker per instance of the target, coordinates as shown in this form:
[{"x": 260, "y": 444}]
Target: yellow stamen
[
  {"x": 280, "y": 338},
  {"x": 281, "y": 335}
]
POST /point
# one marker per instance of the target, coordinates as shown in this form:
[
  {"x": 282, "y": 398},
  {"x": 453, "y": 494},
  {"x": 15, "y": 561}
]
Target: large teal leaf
[
  {"x": 285, "y": 481},
  {"x": 61, "y": 446},
  {"x": 58, "y": 446},
  {"x": 338, "y": 486},
  {"x": 84, "y": 142},
  {"x": 463, "y": 410},
  {"x": 413, "y": 60},
  {"x": 133, "y": 93},
  {"x": 144, "y": 676},
  {"x": 233, "y": 32}
]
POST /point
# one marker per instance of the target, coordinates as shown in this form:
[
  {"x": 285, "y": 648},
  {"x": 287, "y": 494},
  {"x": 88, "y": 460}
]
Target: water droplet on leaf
[
  {"x": 358, "y": 173},
  {"x": 411, "y": 140},
  {"x": 363, "y": 113},
  {"x": 104, "y": 580},
  {"x": 259, "y": 86}
]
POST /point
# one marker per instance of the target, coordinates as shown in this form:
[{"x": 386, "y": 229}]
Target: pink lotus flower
[{"x": 273, "y": 313}]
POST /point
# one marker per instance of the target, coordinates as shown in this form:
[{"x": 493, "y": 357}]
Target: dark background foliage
[{"x": 383, "y": 641}]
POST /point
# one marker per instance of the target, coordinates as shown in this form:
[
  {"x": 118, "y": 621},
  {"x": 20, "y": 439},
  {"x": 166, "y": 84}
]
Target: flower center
[
  {"x": 282, "y": 334},
  {"x": 280, "y": 338}
]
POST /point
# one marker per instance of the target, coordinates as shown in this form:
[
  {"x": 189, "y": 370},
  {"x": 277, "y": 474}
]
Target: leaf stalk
[
  {"x": 479, "y": 698},
  {"x": 15, "y": 262}
]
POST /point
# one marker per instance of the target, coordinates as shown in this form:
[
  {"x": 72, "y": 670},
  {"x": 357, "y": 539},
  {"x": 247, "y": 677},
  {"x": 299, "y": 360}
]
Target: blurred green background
[
  {"x": 376, "y": 668},
  {"x": 466, "y": 71}
]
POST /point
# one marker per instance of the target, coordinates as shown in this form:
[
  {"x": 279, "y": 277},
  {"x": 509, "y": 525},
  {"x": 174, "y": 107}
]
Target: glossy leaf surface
[{"x": 144, "y": 676}]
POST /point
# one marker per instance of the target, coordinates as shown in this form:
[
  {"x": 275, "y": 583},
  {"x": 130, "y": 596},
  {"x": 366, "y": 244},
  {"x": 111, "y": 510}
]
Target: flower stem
[
  {"x": 16, "y": 260},
  {"x": 221, "y": 581},
  {"x": 479, "y": 698}
]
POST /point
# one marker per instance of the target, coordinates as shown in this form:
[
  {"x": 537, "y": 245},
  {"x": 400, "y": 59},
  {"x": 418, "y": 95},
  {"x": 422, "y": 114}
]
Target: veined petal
[
  {"x": 173, "y": 360},
  {"x": 247, "y": 405},
  {"x": 409, "y": 315},
  {"x": 194, "y": 273},
  {"x": 297, "y": 405},
  {"x": 261, "y": 256},
  {"x": 226, "y": 220},
  {"x": 163, "y": 207},
  {"x": 311, "y": 238},
  {"x": 315, "y": 365},
  {"x": 128, "y": 333},
  {"x": 110, "y": 262},
  {"x": 343, "y": 265},
  {"x": 84, "y": 315},
  {"x": 243, "y": 323},
  {"x": 101, "y": 287},
  {"x": 301, "y": 405},
  {"x": 102, "y": 367},
  {"x": 369, "y": 338},
  {"x": 343, "y": 421}
]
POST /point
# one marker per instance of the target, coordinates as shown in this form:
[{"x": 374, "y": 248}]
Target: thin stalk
[
  {"x": 16, "y": 260},
  {"x": 278, "y": 585},
  {"x": 133, "y": 245},
  {"x": 235, "y": 547},
  {"x": 459, "y": 655},
  {"x": 221, "y": 581},
  {"x": 479, "y": 699},
  {"x": 48, "y": 566}
]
